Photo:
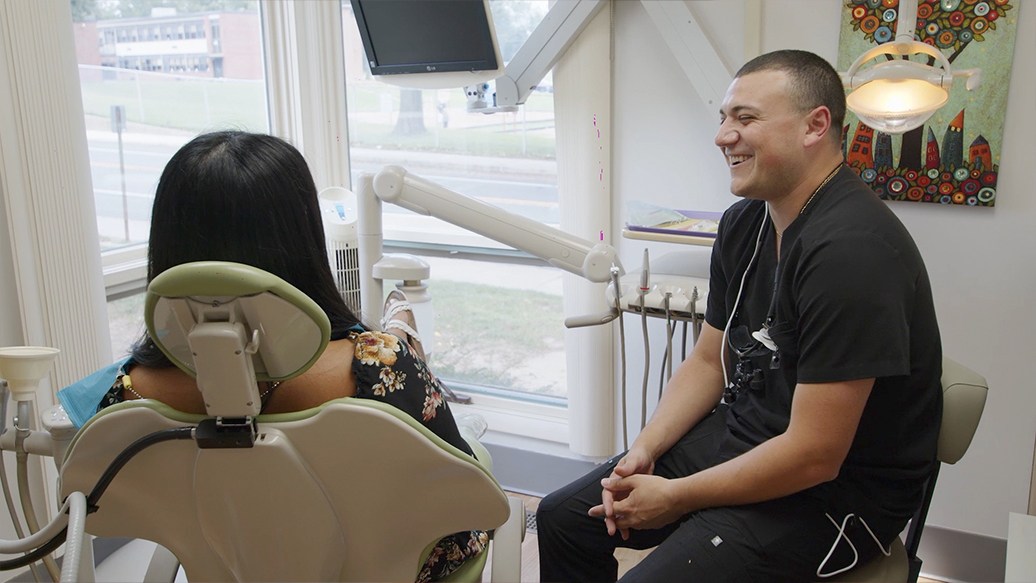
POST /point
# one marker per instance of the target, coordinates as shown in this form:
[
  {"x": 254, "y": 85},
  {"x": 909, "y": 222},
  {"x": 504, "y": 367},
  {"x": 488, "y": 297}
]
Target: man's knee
[{"x": 549, "y": 514}]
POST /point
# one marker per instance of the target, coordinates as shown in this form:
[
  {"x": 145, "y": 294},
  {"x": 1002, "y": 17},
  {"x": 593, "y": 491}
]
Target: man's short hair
[{"x": 814, "y": 82}]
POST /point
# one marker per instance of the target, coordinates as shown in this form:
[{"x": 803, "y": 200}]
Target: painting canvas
[{"x": 954, "y": 158}]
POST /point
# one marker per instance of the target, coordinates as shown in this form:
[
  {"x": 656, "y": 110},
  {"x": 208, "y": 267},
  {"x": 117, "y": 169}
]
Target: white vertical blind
[
  {"x": 52, "y": 246},
  {"x": 45, "y": 179},
  {"x": 281, "y": 63}
]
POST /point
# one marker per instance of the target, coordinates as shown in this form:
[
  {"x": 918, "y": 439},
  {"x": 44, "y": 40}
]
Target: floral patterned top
[{"x": 387, "y": 370}]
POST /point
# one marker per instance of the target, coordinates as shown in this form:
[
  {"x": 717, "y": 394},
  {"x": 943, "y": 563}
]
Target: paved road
[{"x": 525, "y": 187}]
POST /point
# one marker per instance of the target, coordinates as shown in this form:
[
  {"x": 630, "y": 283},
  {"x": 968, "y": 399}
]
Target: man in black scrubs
[{"x": 794, "y": 442}]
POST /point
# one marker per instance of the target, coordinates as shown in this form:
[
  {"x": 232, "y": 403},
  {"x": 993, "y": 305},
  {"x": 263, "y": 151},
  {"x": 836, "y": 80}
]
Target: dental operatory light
[{"x": 897, "y": 95}]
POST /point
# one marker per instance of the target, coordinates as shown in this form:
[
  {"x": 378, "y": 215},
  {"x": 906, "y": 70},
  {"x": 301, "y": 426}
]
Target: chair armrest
[
  {"x": 480, "y": 451},
  {"x": 964, "y": 398},
  {"x": 507, "y": 544}
]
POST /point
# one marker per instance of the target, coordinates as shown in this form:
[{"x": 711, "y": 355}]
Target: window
[
  {"x": 499, "y": 313},
  {"x": 498, "y": 325},
  {"x": 159, "y": 112}
]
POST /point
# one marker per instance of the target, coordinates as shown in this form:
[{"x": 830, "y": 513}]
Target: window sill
[
  {"x": 125, "y": 271},
  {"x": 510, "y": 419}
]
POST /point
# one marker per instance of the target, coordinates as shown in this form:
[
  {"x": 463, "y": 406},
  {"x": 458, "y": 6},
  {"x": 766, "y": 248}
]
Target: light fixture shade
[
  {"x": 895, "y": 106},
  {"x": 896, "y": 94}
]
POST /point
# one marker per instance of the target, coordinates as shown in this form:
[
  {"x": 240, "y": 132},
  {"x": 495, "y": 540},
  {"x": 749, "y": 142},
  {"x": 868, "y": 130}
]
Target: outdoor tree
[
  {"x": 949, "y": 25},
  {"x": 84, "y": 10},
  {"x": 411, "y": 113}
]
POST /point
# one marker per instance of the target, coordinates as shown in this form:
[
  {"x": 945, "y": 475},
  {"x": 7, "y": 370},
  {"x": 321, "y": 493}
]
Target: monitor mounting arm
[{"x": 550, "y": 39}]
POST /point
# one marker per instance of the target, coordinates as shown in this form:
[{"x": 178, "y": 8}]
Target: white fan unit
[{"x": 338, "y": 211}]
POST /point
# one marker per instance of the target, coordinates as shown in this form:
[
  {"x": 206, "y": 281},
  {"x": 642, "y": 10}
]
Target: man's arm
[
  {"x": 693, "y": 391},
  {"x": 824, "y": 418}
]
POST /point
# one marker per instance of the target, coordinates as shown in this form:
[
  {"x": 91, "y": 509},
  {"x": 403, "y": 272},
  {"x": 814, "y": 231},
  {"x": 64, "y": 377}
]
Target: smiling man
[{"x": 794, "y": 442}]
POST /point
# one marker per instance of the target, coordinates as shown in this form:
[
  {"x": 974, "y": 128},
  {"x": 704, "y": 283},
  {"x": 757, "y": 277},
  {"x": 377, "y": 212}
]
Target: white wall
[{"x": 981, "y": 261}]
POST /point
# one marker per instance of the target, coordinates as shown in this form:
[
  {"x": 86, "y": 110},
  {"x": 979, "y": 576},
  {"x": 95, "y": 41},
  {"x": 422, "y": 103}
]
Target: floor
[
  {"x": 530, "y": 554},
  {"x": 626, "y": 557}
]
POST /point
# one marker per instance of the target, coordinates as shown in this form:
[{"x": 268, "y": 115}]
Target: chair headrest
[
  {"x": 964, "y": 398},
  {"x": 231, "y": 325}
]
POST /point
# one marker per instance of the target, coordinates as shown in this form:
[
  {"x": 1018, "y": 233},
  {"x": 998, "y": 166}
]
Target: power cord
[{"x": 98, "y": 490}]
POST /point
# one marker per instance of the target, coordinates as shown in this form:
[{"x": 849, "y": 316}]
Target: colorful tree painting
[{"x": 925, "y": 169}]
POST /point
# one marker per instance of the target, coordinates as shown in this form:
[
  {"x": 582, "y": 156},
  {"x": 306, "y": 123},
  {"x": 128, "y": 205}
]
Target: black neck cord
[
  {"x": 102, "y": 484},
  {"x": 36, "y": 554},
  {"x": 127, "y": 454}
]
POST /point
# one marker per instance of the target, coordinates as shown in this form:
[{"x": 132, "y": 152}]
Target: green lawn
[
  {"x": 482, "y": 141},
  {"x": 203, "y": 105},
  {"x": 486, "y": 335},
  {"x": 490, "y": 335},
  {"x": 175, "y": 104}
]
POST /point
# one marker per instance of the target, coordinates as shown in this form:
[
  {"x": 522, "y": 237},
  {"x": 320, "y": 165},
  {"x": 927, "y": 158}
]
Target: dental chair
[
  {"x": 352, "y": 490},
  {"x": 964, "y": 397}
]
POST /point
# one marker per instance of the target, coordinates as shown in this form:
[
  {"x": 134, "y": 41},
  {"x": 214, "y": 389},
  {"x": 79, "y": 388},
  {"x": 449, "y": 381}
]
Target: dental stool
[
  {"x": 964, "y": 398},
  {"x": 352, "y": 490}
]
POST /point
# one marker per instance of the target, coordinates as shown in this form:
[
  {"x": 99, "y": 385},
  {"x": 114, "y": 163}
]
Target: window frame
[
  {"x": 124, "y": 270},
  {"x": 308, "y": 108},
  {"x": 300, "y": 58}
]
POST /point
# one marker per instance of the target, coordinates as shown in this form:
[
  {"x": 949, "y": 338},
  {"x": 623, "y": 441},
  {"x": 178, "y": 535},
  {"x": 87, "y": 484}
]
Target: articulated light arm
[{"x": 579, "y": 256}]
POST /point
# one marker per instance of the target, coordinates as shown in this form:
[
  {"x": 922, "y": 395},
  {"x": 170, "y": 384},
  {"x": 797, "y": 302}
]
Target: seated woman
[{"x": 250, "y": 198}]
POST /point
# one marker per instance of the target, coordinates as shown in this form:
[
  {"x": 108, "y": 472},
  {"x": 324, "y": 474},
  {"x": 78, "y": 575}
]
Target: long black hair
[{"x": 247, "y": 198}]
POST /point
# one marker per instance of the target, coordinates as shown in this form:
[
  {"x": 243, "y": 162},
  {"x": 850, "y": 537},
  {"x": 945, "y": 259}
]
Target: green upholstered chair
[
  {"x": 352, "y": 490},
  {"x": 964, "y": 397}
]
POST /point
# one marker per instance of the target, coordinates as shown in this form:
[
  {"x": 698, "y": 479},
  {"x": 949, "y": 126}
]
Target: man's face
[{"x": 760, "y": 135}]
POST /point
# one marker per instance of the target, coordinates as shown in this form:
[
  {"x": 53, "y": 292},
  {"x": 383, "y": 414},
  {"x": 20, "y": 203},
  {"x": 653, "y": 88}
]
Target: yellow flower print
[{"x": 377, "y": 348}]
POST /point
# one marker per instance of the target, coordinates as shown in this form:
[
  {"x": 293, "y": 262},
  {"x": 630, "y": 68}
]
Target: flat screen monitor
[{"x": 427, "y": 36}]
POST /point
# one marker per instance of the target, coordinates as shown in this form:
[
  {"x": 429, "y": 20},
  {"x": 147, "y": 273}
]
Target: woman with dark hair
[
  {"x": 250, "y": 198},
  {"x": 246, "y": 198}
]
